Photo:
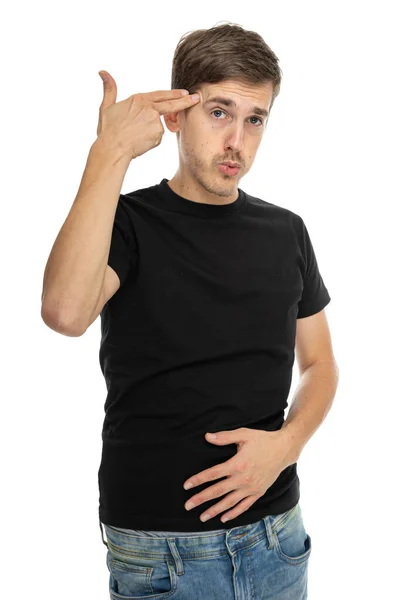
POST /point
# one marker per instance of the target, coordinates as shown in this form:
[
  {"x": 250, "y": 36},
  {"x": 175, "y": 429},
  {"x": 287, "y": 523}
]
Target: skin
[{"x": 206, "y": 138}]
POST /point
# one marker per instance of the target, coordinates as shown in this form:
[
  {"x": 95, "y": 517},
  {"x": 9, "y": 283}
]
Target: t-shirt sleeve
[
  {"x": 123, "y": 254},
  {"x": 315, "y": 295}
]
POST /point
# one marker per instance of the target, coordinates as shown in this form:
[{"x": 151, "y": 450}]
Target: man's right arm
[{"x": 74, "y": 277}]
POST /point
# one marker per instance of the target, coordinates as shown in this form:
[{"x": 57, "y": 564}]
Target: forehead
[{"x": 238, "y": 95}]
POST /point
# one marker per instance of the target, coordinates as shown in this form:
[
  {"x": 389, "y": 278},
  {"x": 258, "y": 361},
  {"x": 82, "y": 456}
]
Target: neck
[{"x": 202, "y": 191}]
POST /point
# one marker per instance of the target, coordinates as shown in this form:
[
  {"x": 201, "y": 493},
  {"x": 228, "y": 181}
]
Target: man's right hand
[{"x": 133, "y": 126}]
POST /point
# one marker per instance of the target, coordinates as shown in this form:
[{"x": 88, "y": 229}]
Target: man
[{"x": 205, "y": 294}]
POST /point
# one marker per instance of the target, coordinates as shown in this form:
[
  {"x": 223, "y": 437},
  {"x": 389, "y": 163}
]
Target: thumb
[{"x": 110, "y": 88}]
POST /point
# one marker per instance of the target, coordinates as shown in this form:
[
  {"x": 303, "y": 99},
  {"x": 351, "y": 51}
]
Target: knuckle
[
  {"x": 241, "y": 467},
  {"x": 154, "y": 117},
  {"x": 218, "y": 492},
  {"x": 138, "y": 100},
  {"x": 248, "y": 479}
]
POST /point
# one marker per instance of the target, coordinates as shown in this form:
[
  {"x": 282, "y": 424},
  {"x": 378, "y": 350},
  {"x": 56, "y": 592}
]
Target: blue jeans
[{"x": 266, "y": 560}]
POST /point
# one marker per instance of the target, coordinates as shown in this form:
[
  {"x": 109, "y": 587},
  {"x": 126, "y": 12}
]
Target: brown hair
[{"x": 224, "y": 52}]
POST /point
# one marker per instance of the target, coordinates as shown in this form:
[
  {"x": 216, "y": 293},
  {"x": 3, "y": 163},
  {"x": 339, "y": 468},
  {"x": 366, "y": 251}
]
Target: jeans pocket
[
  {"x": 133, "y": 578},
  {"x": 292, "y": 542}
]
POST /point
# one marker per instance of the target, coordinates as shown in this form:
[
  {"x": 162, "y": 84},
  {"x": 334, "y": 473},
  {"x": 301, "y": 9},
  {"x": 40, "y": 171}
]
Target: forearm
[
  {"x": 76, "y": 265},
  {"x": 311, "y": 403}
]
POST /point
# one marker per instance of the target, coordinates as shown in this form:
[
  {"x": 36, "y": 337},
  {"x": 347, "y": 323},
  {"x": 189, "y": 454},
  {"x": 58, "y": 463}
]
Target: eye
[
  {"x": 217, "y": 110},
  {"x": 258, "y": 119},
  {"x": 222, "y": 111}
]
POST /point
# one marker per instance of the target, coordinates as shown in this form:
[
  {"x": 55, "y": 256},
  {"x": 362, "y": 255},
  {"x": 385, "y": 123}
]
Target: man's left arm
[{"x": 319, "y": 377}]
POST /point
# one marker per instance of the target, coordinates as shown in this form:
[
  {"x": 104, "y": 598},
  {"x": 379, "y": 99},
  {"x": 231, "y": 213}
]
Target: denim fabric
[{"x": 266, "y": 560}]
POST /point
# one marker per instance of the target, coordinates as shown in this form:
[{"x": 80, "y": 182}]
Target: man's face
[{"x": 210, "y": 132}]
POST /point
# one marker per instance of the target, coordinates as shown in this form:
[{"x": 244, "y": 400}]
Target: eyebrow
[{"x": 228, "y": 102}]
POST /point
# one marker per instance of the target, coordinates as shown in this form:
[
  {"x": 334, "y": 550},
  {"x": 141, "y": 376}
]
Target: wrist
[
  {"x": 101, "y": 149},
  {"x": 291, "y": 447}
]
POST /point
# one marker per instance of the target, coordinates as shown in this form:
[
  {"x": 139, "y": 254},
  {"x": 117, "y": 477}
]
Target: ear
[{"x": 172, "y": 121}]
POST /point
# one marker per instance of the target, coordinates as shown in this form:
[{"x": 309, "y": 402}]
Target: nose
[{"x": 234, "y": 141}]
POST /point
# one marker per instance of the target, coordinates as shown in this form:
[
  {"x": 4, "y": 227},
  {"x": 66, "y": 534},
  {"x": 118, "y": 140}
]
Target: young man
[{"x": 205, "y": 293}]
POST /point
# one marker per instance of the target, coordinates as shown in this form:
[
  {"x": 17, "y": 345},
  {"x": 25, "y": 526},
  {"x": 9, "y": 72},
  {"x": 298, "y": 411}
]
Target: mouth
[
  {"x": 231, "y": 164},
  {"x": 226, "y": 169}
]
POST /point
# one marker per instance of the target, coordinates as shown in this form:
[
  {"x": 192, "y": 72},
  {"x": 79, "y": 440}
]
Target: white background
[{"x": 330, "y": 154}]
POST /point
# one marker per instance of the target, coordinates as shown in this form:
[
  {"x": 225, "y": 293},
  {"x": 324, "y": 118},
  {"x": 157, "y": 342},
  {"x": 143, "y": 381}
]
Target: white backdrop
[{"x": 330, "y": 153}]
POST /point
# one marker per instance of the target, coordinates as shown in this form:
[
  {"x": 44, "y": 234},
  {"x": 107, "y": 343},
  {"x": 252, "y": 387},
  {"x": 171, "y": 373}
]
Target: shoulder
[
  {"x": 131, "y": 199},
  {"x": 277, "y": 212}
]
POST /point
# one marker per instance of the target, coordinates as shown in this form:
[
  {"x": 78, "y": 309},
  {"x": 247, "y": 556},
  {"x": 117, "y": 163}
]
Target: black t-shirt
[{"x": 198, "y": 338}]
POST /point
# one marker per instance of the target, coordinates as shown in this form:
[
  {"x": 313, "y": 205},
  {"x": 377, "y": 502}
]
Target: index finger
[
  {"x": 180, "y": 103},
  {"x": 159, "y": 95}
]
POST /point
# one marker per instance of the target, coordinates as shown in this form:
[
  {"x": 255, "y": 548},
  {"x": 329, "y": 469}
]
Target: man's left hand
[{"x": 261, "y": 457}]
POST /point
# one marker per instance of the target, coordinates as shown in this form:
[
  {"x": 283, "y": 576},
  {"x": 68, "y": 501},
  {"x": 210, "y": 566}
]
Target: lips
[{"x": 227, "y": 170}]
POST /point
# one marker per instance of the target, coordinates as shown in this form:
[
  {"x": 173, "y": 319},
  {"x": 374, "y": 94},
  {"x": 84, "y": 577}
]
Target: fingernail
[
  {"x": 184, "y": 92},
  {"x": 195, "y": 97},
  {"x": 204, "y": 518}
]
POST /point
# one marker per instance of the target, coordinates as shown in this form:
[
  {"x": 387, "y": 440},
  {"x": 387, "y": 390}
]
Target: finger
[
  {"x": 224, "y": 504},
  {"x": 160, "y": 95},
  {"x": 173, "y": 106},
  {"x": 239, "y": 508},
  {"x": 208, "y": 475},
  {"x": 211, "y": 493}
]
